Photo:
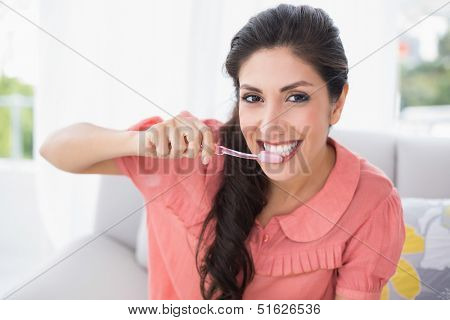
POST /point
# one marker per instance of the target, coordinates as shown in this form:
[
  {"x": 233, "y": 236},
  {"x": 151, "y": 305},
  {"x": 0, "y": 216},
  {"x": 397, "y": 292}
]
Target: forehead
[{"x": 276, "y": 67}]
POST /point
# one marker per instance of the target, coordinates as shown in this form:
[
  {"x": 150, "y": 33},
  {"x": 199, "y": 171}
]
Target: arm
[{"x": 87, "y": 148}]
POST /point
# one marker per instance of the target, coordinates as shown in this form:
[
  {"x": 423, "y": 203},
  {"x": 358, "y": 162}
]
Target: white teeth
[{"x": 284, "y": 149}]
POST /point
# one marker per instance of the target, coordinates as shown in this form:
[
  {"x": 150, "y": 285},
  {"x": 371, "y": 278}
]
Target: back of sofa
[
  {"x": 419, "y": 166},
  {"x": 379, "y": 148}
]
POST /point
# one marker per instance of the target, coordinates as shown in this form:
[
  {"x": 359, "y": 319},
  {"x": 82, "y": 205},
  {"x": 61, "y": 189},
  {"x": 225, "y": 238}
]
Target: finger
[
  {"x": 193, "y": 138},
  {"x": 190, "y": 134},
  {"x": 208, "y": 146},
  {"x": 162, "y": 141},
  {"x": 177, "y": 142},
  {"x": 148, "y": 144}
]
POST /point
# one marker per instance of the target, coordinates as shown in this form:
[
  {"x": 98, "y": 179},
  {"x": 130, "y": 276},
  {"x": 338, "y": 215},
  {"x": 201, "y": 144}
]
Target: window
[
  {"x": 425, "y": 72},
  {"x": 16, "y": 119}
]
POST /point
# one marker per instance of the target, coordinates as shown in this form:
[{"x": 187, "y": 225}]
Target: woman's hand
[{"x": 182, "y": 136}]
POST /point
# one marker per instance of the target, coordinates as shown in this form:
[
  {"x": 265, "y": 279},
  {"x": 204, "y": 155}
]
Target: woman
[{"x": 323, "y": 224}]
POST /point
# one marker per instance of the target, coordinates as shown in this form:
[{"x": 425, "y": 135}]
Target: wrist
[{"x": 131, "y": 142}]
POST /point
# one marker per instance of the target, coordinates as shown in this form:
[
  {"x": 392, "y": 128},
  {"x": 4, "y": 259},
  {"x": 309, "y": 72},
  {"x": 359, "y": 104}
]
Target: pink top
[{"x": 347, "y": 239}]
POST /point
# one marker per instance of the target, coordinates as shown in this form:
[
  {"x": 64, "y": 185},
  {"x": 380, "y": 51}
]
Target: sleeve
[{"x": 372, "y": 253}]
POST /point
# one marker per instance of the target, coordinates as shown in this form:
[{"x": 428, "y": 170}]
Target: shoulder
[
  {"x": 377, "y": 214},
  {"x": 373, "y": 176},
  {"x": 375, "y": 199},
  {"x": 361, "y": 186},
  {"x": 374, "y": 186}
]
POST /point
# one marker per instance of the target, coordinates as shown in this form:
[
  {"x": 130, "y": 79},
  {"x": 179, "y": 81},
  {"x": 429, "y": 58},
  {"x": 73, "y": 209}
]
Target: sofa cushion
[
  {"x": 102, "y": 269},
  {"x": 423, "y": 271},
  {"x": 141, "y": 243}
]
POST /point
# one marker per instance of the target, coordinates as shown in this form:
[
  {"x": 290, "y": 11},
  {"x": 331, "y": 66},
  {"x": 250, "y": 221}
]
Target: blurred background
[{"x": 104, "y": 62}]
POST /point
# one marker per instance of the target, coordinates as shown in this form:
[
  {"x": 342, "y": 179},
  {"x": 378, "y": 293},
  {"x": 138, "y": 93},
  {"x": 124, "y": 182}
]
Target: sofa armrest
[{"x": 104, "y": 269}]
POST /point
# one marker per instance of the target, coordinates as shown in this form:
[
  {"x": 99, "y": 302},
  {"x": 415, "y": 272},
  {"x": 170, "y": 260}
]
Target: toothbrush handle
[{"x": 221, "y": 150}]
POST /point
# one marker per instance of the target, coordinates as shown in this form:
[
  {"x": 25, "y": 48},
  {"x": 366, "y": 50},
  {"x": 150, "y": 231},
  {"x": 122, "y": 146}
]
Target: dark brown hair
[{"x": 312, "y": 36}]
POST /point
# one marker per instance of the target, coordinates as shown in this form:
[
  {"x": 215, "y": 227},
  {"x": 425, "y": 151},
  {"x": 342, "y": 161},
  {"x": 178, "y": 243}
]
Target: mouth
[{"x": 286, "y": 149}]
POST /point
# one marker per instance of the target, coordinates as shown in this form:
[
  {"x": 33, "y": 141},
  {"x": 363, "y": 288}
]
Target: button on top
[{"x": 266, "y": 237}]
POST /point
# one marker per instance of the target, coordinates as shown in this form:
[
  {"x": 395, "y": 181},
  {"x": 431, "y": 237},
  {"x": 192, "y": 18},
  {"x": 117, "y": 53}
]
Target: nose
[{"x": 273, "y": 124}]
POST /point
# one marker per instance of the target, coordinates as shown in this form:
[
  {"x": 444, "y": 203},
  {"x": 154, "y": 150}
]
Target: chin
[
  {"x": 279, "y": 176},
  {"x": 284, "y": 171}
]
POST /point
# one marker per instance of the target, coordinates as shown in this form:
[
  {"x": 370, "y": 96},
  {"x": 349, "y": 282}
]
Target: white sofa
[{"x": 107, "y": 268}]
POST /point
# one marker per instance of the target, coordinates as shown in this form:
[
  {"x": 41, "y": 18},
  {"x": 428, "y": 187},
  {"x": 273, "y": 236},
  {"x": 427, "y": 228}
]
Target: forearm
[{"x": 81, "y": 145}]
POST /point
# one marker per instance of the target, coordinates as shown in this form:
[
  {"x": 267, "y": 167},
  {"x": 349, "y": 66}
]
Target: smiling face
[{"x": 293, "y": 119}]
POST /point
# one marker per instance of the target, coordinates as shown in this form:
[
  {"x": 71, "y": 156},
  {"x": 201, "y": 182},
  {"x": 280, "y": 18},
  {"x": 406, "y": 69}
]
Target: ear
[{"x": 338, "y": 106}]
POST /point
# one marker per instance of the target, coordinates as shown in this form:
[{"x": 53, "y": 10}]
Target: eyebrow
[{"x": 290, "y": 86}]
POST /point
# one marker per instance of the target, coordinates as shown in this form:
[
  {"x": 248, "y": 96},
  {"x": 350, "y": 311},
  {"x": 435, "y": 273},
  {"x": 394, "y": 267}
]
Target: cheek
[
  {"x": 245, "y": 117},
  {"x": 313, "y": 120},
  {"x": 248, "y": 122}
]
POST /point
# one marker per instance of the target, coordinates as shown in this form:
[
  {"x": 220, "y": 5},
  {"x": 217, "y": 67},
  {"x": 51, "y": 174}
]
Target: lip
[
  {"x": 277, "y": 143},
  {"x": 285, "y": 159}
]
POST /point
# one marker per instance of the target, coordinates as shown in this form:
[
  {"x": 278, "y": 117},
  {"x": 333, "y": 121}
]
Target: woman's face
[{"x": 293, "y": 121}]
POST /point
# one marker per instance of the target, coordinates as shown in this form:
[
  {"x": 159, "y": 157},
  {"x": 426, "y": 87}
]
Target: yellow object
[
  {"x": 406, "y": 280},
  {"x": 446, "y": 217},
  {"x": 385, "y": 292},
  {"x": 414, "y": 243}
]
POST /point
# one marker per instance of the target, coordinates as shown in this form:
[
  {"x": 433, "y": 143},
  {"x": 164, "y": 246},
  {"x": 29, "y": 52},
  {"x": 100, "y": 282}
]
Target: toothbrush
[{"x": 263, "y": 156}]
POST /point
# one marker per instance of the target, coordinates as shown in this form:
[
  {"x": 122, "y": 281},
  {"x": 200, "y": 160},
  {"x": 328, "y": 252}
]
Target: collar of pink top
[{"x": 317, "y": 216}]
